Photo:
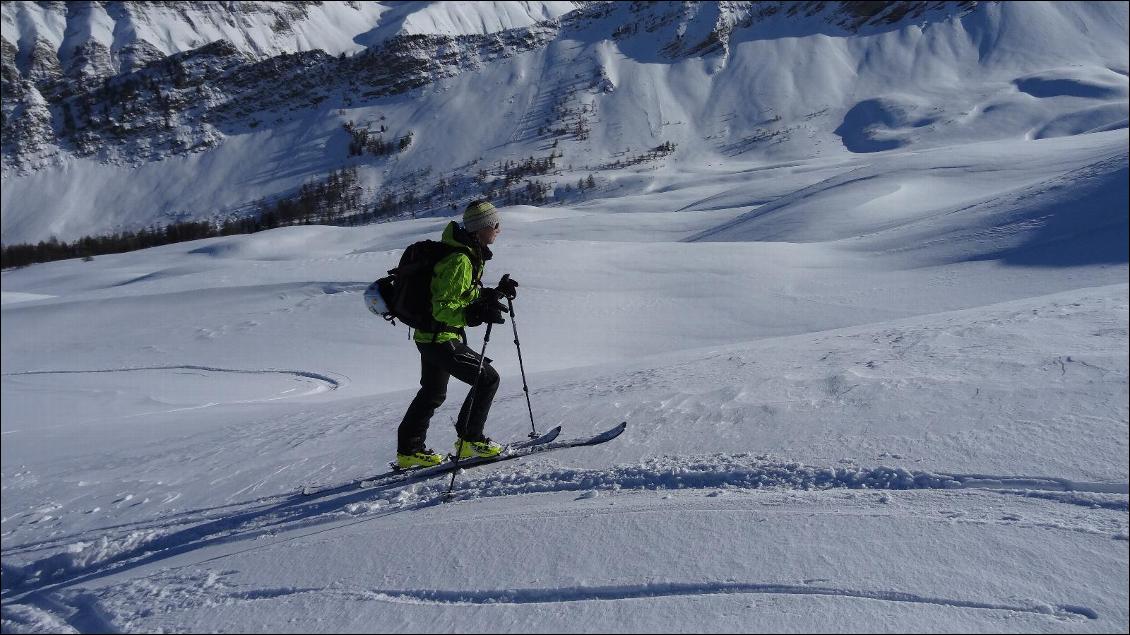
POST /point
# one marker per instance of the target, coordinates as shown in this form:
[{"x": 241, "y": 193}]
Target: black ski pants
[{"x": 439, "y": 362}]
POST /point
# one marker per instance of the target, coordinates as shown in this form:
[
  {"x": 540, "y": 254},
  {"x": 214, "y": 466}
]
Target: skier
[{"x": 458, "y": 300}]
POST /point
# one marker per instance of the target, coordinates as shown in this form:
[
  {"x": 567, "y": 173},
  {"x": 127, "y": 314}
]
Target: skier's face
[{"x": 486, "y": 236}]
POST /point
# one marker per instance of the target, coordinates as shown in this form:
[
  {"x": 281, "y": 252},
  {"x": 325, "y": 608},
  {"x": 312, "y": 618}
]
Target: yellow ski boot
[
  {"x": 483, "y": 448},
  {"x": 421, "y": 458}
]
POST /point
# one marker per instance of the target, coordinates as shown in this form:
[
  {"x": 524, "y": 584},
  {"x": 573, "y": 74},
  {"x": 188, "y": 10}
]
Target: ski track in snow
[
  {"x": 626, "y": 592},
  {"x": 85, "y": 613},
  {"x": 127, "y": 546},
  {"x": 331, "y": 383},
  {"x": 743, "y": 474},
  {"x": 736, "y": 473},
  {"x": 88, "y": 613},
  {"x": 323, "y": 383}
]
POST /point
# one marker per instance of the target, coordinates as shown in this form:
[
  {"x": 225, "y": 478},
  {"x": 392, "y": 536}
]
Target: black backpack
[{"x": 405, "y": 294}]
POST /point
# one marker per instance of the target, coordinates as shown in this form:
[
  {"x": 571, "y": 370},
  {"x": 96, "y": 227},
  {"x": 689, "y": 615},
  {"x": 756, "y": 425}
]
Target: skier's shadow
[{"x": 294, "y": 512}]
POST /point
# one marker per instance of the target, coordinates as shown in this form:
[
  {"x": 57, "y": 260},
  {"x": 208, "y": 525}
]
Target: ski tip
[{"x": 609, "y": 434}]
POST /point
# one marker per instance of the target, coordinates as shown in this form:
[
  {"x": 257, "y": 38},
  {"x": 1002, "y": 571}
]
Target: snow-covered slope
[
  {"x": 873, "y": 354},
  {"x": 910, "y": 412},
  {"x": 129, "y": 30}
]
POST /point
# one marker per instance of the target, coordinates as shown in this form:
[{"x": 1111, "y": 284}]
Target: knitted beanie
[{"x": 480, "y": 215}]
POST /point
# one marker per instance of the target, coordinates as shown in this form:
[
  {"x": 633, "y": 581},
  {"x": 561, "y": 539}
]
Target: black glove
[
  {"x": 508, "y": 287},
  {"x": 488, "y": 308}
]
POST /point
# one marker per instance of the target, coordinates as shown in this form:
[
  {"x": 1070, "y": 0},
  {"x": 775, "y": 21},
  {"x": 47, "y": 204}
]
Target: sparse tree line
[
  {"x": 327, "y": 201},
  {"x": 532, "y": 193},
  {"x": 335, "y": 200},
  {"x": 362, "y": 140},
  {"x": 586, "y": 184},
  {"x": 512, "y": 171},
  {"x": 658, "y": 151},
  {"x": 90, "y": 246},
  {"x": 564, "y": 115},
  {"x": 391, "y": 203}
]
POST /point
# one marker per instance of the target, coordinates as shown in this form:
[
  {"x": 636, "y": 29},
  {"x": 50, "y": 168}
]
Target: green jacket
[{"x": 454, "y": 283}]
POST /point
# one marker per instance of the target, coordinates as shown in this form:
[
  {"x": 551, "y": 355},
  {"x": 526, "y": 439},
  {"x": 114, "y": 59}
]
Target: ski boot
[
  {"x": 482, "y": 448},
  {"x": 420, "y": 458}
]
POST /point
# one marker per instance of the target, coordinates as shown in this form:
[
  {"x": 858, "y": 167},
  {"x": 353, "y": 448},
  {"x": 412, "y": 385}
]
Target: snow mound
[
  {"x": 1079, "y": 218},
  {"x": 883, "y": 123},
  {"x": 1087, "y": 83},
  {"x": 953, "y": 212},
  {"x": 280, "y": 244},
  {"x": 1094, "y": 119}
]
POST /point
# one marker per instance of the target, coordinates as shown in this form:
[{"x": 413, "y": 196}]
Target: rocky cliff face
[
  {"x": 120, "y": 116},
  {"x": 132, "y": 102}
]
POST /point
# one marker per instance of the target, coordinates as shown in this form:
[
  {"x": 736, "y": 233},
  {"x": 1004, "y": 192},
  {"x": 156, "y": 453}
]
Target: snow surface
[
  {"x": 895, "y": 417},
  {"x": 865, "y": 391}
]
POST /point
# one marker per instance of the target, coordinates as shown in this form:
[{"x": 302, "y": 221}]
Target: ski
[
  {"x": 395, "y": 475},
  {"x": 516, "y": 451},
  {"x": 447, "y": 466}
]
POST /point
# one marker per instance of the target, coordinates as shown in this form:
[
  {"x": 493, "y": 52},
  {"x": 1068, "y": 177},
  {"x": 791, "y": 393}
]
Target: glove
[
  {"x": 508, "y": 287},
  {"x": 487, "y": 308}
]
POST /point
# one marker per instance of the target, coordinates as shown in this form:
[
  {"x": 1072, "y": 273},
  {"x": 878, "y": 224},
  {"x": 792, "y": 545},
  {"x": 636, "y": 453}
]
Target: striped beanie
[{"x": 480, "y": 215}]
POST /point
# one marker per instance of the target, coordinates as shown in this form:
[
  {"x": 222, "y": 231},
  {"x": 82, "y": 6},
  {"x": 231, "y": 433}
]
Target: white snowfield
[
  {"x": 870, "y": 390},
  {"x": 897, "y": 418}
]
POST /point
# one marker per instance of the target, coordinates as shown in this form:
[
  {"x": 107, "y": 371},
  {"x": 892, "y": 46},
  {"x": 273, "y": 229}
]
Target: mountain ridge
[{"x": 735, "y": 81}]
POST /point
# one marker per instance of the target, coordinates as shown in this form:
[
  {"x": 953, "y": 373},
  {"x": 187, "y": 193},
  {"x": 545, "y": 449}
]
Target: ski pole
[
  {"x": 525, "y": 387},
  {"x": 470, "y": 406}
]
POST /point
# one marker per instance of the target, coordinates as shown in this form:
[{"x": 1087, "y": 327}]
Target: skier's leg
[
  {"x": 476, "y": 406},
  {"x": 462, "y": 362},
  {"x": 433, "y": 391}
]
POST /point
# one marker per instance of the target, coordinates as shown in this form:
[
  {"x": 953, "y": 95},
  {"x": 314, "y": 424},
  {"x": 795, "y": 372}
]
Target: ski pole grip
[{"x": 507, "y": 286}]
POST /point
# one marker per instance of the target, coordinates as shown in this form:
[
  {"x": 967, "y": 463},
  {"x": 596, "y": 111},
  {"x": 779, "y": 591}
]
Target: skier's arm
[{"x": 452, "y": 290}]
